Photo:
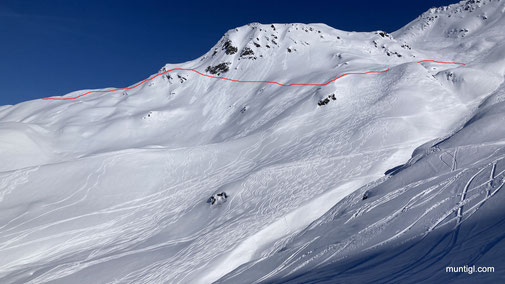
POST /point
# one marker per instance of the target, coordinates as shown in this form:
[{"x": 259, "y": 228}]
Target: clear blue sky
[{"x": 53, "y": 47}]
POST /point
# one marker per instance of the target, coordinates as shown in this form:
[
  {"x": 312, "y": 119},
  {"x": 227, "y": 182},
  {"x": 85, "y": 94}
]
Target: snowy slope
[
  {"x": 444, "y": 208},
  {"x": 112, "y": 187}
]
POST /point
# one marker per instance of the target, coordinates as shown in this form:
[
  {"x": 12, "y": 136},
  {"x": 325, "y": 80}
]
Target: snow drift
[{"x": 113, "y": 187}]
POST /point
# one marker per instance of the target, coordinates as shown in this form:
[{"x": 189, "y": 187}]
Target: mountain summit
[{"x": 398, "y": 171}]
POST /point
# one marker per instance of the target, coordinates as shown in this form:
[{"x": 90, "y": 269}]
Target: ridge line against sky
[{"x": 51, "y": 48}]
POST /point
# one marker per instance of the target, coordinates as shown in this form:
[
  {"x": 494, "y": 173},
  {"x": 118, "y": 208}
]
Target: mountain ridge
[{"x": 112, "y": 188}]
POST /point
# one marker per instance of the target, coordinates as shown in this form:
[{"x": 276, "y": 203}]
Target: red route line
[{"x": 232, "y": 80}]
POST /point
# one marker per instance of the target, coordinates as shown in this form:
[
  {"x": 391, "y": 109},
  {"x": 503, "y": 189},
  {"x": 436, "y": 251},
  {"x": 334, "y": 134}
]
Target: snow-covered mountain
[{"x": 112, "y": 186}]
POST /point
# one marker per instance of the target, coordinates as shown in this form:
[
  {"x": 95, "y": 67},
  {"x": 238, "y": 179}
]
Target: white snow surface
[{"x": 112, "y": 187}]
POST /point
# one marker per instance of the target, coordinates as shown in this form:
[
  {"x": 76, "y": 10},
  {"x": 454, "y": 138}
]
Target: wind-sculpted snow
[
  {"x": 443, "y": 209},
  {"x": 113, "y": 188}
]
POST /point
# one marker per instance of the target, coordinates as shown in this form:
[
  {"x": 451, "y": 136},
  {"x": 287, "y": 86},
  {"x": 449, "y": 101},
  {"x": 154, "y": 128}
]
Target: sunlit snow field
[{"x": 112, "y": 188}]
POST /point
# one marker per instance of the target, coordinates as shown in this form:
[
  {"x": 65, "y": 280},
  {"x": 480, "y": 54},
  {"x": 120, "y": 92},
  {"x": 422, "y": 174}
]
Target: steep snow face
[
  {"x": 112, "y": 187},
  {"x": 467, "y": 30},
  {"x": 457, "y": 21},
  {"x": 442, "y": 209}
]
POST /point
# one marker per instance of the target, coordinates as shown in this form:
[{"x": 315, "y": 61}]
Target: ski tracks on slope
[{"x": 490, "y": 183}]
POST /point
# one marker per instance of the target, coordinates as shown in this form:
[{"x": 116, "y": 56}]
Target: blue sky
[{"x": 53, "y": 47}]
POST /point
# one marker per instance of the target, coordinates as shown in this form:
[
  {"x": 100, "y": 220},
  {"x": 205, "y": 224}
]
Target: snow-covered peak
[
  {"x": 112, "y": 186},
  {"x": 211, "y": 110},
  {"x": 258, "y": 44},
  {"x": 452, "y": 24}
]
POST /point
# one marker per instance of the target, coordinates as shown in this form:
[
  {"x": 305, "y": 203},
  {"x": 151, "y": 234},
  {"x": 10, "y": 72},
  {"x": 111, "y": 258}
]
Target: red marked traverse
[
  {"x": 237, "y": 81},
  {"x": 215, "y": 77}
]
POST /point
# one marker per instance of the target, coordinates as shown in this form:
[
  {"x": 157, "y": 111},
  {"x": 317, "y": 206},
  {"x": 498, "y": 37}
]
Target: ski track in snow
[
  {"x": 417, "y": 200},
  {"x": 156, "y": 203},
  {"x": 134, "y": 211}
]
